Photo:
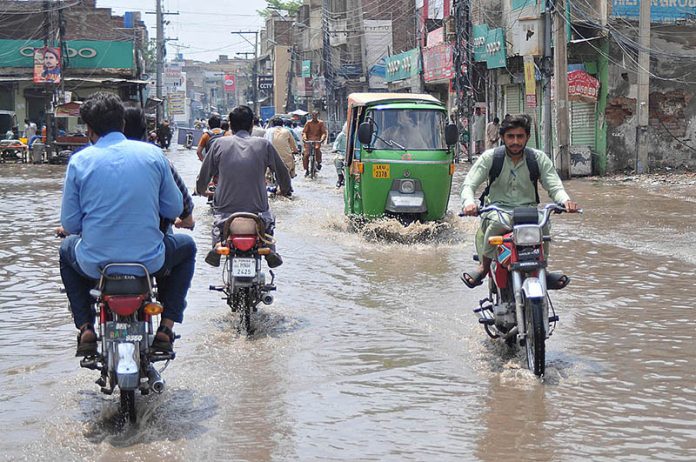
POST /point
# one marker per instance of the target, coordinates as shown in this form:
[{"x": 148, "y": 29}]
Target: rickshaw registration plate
[{"x": 380, "y": 171}]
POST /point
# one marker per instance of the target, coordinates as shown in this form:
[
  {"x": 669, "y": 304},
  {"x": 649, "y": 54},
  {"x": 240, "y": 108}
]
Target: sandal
[
  {"x": 474, "y": 279},
  {"x": 86, "y": 349},
  {"x": 164, "y": 346},
  {"x": 556, "y": 281}
]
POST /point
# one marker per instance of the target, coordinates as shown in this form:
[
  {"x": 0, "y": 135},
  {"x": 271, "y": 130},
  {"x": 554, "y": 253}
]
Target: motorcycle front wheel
[
  {"x": 128, "y": 406},
  {"x": 535, "y": 343}
]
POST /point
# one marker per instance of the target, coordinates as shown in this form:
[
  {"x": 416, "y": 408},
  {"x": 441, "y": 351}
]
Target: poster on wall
[{"x": 47, "y": 65}]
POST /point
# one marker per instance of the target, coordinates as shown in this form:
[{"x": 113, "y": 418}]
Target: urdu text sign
[{"x": 660, "y": 10}]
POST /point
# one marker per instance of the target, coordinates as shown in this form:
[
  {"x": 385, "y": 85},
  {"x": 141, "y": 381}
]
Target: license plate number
[
  {"x": 243, "y": 267},
  {"x": 380, "y": 171},
  {"x": 125, "y": 332}
]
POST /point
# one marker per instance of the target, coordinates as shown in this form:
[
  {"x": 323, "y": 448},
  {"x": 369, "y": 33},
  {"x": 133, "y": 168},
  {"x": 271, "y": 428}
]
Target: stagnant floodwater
[{"x": 370, "y": 351}]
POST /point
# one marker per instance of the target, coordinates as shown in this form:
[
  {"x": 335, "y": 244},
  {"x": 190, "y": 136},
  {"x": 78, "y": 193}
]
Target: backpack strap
[
  {"x": 533, "y": 167},
  {"x": 212, "y": 138},
  {"x": 494, "y": 172}
]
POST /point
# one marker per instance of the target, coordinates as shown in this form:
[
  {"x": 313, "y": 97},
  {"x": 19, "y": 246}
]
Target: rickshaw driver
[{"x": 512, "y": 188}]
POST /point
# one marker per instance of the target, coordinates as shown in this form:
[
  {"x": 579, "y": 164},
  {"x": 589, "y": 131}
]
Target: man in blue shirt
[{"x": 114, "y": 194}]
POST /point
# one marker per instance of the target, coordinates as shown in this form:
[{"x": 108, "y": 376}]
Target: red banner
[
  {"x": 230, "y": 83},
  {"x": 47, "y": 65},
  {"x": 438, "y": 63},
  {"x": 582, "y": 87}
]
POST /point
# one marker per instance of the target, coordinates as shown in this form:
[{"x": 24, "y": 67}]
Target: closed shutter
[
  {"x": 582, "y": 124},
  {"x": 515, "y": 104}
]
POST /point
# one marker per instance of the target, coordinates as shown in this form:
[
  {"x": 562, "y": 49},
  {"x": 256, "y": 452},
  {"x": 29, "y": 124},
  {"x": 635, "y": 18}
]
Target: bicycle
[{"x": 312, "y": 157}]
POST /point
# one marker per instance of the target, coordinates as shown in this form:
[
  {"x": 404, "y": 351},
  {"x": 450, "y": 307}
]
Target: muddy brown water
[{"x": 370, "y": 351}]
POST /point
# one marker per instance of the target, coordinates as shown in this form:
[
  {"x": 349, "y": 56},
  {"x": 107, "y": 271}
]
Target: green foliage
[{"x": 291, "y": 6}]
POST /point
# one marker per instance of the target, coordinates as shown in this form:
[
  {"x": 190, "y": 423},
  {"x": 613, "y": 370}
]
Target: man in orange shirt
[
  {"x": 314, "y": 130},
  {"x": 215, "y": 132}
]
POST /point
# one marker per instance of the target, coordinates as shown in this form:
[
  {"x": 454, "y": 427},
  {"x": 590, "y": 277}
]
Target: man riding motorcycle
[
  {"x": 114, "y": 194},
  {"x": 240, "y": 162},
  {"x": 512, "y": 171}
]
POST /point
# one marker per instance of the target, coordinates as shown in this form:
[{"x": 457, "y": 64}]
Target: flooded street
[{"x": 371, "y": 350}]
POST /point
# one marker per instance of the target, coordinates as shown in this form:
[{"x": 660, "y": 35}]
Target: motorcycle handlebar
[{"x": 547, "y": 209}]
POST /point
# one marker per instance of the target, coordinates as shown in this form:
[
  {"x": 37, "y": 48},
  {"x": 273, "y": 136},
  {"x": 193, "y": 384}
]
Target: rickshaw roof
[{"x": 363, "y": 99}]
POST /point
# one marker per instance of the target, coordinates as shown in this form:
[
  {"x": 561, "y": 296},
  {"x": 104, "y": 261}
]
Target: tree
[{"x": 291, "y": 6}]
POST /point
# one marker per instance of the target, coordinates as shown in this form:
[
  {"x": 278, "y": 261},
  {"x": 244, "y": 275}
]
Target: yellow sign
[
  {"x": 380, "y": 171},
  {"x": 529, "y": 81}
]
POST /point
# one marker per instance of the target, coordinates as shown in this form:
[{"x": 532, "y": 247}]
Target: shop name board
[
  {"x": 660, "y": 10},
  {"x": 265, "y": 82},
  {"x": 438, "y": 63},
  {"x": 81, "y": 54},
  {"x": 402, "y": 66}
]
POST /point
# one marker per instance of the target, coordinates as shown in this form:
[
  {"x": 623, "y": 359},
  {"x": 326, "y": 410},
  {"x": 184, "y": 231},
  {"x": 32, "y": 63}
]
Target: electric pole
[
  {"x": 160, "y": 52},
  {"x": 255, "y": 68},
  {"x": 561, "y": 72},
  {"x": 463, "y": 69},
  {"x": 643, "y": 102},
  {"x": 547, "y": 69}
]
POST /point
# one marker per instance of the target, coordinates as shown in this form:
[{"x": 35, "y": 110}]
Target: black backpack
[{"x": 497, "y": 167}]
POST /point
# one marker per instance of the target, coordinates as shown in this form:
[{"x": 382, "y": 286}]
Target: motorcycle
[
  {"x": 127, "y": 308},
  {"x": 244, "y": 283},
  {"x": 518, "y": 308},
  {"x": 188, "y": 143}
]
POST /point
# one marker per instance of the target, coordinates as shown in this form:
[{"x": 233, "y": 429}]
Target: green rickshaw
[{"x": 399, "y": 157}]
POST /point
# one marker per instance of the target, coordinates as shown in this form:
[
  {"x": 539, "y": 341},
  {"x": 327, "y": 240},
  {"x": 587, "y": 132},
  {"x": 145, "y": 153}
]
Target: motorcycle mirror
[{"x": 451, "y": 134}]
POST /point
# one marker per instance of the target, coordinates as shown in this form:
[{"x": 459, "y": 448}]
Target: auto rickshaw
[{"x": 399, "y": 157}]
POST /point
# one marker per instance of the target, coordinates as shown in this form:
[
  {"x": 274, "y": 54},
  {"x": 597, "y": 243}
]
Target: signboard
[
  {"x": 402, "y": 66},
  {"x": 83, "y": 54},
  {"x": 378, "y": 42},
  {"x": 660, "y": 11},
  {"x": 265, "y": 82},
  {"x": 307, "y": 68},
  {"x": 266, "y": 112},
  {"x": 529, "y": 82},
  {"x": 436, "y": 37},
  {"x": 350, "y": 70},
  {"x": 47, "y": 65},
  {"x": 438, "y": 63},
  {"x": 230, "y": 83},
  {"x": 480, "y": 34},
  {"x": 582, "y": 87},
  {"x": 177, "y": 103},
  {"x": 496, "y": 55}
]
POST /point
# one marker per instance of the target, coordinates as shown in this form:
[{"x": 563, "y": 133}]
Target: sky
[{"x": 202, "y": 27}]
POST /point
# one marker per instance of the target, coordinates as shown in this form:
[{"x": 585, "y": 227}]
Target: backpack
[
  {"x": 497, "y": 167},
  {"x": 212, "y": 137}
]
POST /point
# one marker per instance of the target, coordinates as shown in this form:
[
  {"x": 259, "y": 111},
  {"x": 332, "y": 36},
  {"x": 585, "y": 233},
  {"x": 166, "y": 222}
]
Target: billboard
[
  {"x": 47, "y": 65},
  {"x": 662, "y": 11},
  {"x": 438, "y": 63},
  {"x": 230, "y": 83},
  {"x": 82, "y": 54},
  {"x": 403, "y": 66}
]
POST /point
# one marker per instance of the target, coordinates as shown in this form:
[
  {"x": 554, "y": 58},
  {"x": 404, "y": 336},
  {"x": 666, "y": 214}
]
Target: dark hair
[
  {"x": 135, "y": 127},
  {"x": 277, "y": 122},
  {"x": 516, "y": 121},
  {"x": 224, "y": 125},
  {"x": 256, "y": 120},
  {"x": 103, "y": 113},
  {"x": 214, "y": 121},
  {"x": 288, "y": 123},
  {"x": 496, "y": 120},
  {"x": 241, "y": 118}
]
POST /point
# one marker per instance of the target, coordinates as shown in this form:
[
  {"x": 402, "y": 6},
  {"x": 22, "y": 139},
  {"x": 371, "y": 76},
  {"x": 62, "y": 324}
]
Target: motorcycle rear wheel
[
  {"x": 245, "y": 310},
  {"x": 535, "y": 343},
  {"x": 128, "y": 406}
]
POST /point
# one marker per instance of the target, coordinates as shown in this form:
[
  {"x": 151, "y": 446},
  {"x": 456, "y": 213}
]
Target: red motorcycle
[{"x": 518, "y": 308}]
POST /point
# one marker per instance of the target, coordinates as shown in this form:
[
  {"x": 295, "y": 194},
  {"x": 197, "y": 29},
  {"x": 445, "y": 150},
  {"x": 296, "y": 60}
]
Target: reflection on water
[{"x": 370, "y": 351}]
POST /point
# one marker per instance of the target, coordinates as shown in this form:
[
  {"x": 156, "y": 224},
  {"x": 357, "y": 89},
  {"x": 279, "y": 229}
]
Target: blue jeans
[{"x": 173, "y": 279}]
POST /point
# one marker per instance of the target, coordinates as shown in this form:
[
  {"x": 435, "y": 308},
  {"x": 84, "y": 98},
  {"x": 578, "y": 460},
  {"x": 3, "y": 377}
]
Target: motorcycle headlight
[{"x": 527, "y": 235}]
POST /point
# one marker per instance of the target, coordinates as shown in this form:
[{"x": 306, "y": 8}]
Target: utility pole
[
  {"x": 328, "y": 64},
  {"x": 547, "y": 69},
  {"x": 643, "y": 102},
  {"x": 561, "y": 72},
  {"x": 463, "y": 69},
  {"x": 255, "y": 69},
  {"x": 160, "y": 52}
]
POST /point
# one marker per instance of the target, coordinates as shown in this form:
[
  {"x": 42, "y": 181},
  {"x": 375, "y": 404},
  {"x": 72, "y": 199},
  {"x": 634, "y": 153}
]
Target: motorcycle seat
[
  {"x": 124, "y": 284},
  {"x": 243, "y": 224}
]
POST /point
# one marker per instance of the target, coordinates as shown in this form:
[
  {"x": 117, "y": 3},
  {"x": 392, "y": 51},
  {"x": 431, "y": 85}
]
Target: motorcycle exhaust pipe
[
  {"x": 155, "y": 380},
  {"x": 267, "y": 299}
]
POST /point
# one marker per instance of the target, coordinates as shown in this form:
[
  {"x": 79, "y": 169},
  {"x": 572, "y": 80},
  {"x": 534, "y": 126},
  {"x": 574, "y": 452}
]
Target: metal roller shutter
[
  {"x": 582, "y": 124},
  {"x": 515, "y": 104}
]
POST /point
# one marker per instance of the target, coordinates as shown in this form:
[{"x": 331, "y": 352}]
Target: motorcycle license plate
[
  {"x": 125, "y": 332},
  {"x": 243, "y": 267}
]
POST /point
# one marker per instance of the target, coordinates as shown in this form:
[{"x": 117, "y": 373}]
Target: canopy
[{"x": 299, "y": 112}]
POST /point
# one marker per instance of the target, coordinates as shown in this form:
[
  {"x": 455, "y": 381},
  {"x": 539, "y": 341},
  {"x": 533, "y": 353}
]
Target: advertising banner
[
  {"x": 83, "y": 54},
  {"x": 582, "y": 87},
  {"x": 662, "y": 11},
  {"x": 438, "y": 63},
  {"x": 177, "y": 103},
  {"x": 378, "y": 42},
  {"x": 403, "y": 66},
  {"x": 230, "y": 83},
  {"x": 47, "y": 65},
  {"x": 529, "y": 82}
]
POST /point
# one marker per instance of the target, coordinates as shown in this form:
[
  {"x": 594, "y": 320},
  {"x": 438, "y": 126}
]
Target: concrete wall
[{"x": 672, "y": 129}]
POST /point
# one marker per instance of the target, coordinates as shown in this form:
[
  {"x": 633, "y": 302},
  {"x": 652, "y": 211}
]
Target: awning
[
  {"x": 299, "y": 112},
  {"x": 77, "y": 79}
]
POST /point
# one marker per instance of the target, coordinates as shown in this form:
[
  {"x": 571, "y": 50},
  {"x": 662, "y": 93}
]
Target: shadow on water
[{"x": 178, "y": 414}]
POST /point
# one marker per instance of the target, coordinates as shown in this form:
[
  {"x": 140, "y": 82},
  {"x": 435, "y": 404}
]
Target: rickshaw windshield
[{"x": 413, "y": 129}]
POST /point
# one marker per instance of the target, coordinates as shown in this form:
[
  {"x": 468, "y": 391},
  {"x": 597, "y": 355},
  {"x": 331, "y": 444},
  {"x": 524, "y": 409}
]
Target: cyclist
[{"x": 314, "y": 130}]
